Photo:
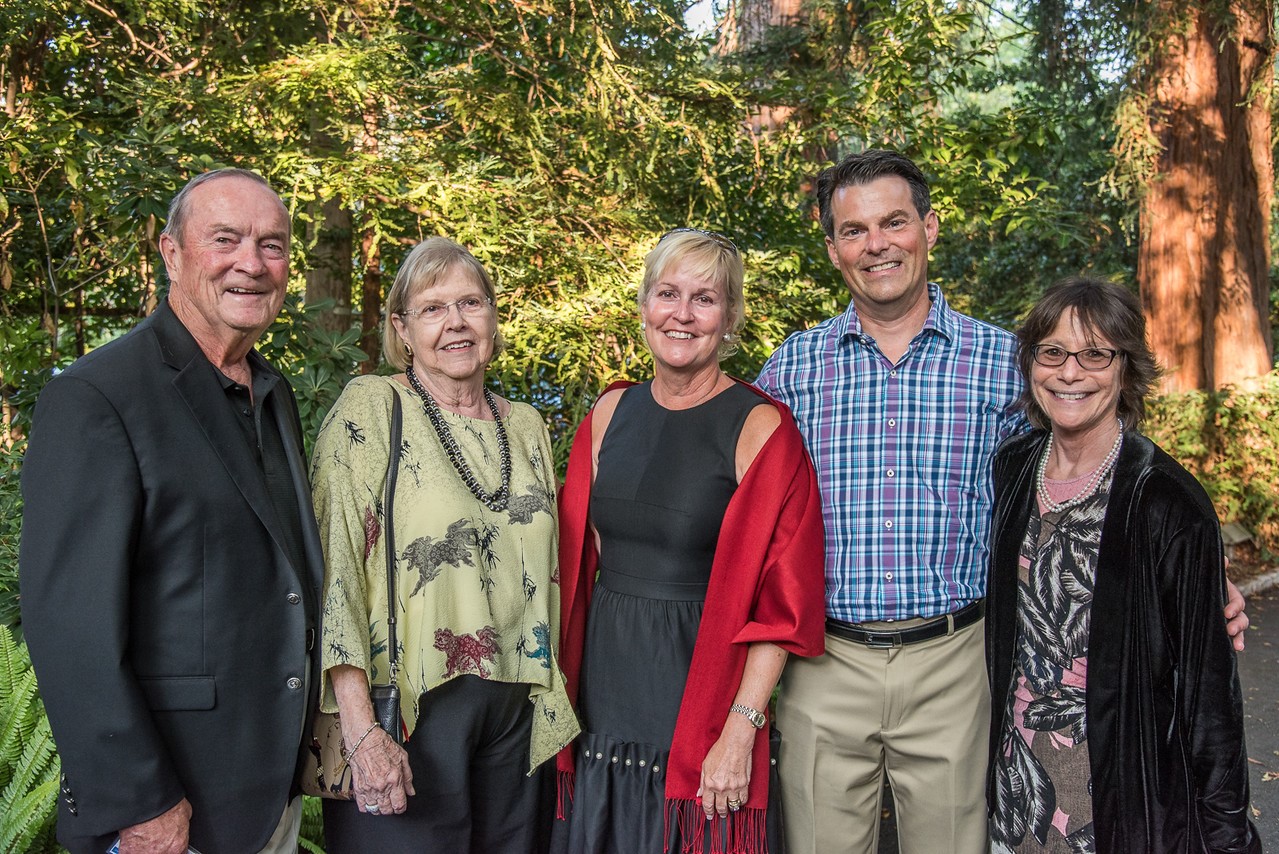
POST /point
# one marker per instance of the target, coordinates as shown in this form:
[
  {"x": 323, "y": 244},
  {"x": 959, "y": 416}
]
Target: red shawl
[{"x": 767, "y": 584}]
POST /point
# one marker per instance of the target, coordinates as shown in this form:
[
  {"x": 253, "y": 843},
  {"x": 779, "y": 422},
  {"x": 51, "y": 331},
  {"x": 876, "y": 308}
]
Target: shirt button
[
  {"x": 892, "y": 422},
  {"x": 888, "y": 576},
  {"x": 892, "y": 373},
  {"x": 293, "y": 598},
  {"x": 889, "y": 524},
  {"x": 294, "y": 683},
  {"x": 246, "y": 412},
  {"x": 891, "y": 473}
]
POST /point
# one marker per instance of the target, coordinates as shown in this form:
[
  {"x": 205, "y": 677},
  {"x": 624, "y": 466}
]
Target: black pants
[{"x": 469, "y": 756}]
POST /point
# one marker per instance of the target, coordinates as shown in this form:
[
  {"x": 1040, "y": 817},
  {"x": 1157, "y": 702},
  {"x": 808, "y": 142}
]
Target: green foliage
[
  {"x": 557, "y": 142},
  {"x": 10, "y": 530},
  {"x": 317, "y": 362},
  {"x": 29, "y": 766},
  {"x": 311, "y": 836},
  {"x": 1230, "y": 440}
]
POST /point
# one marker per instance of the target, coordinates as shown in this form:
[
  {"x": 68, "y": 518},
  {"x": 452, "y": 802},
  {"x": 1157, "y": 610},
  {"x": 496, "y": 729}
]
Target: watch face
[{"x": 755, "y": 716}]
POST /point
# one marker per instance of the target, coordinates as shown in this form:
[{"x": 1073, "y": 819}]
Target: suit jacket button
[
  {"x": 293, "y": 598},
  {"x": 294, "y": 683}
]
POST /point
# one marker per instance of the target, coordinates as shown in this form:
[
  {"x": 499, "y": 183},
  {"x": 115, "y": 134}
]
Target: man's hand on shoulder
[
  {"x": 167, "y": 833},
  {"x": 1236, "y": 619}
]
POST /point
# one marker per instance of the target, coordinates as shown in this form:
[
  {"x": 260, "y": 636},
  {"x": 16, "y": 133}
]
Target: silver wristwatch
[{"x": 755, "y": 716}]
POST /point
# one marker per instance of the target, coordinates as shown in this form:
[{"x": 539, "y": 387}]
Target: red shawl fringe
[
  {"x": 742, "y": 832},
  {"x": 564, "y": 782}
]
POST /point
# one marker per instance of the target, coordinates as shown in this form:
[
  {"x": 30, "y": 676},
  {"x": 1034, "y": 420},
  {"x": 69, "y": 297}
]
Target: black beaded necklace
[{"x": 497, "y": 500}]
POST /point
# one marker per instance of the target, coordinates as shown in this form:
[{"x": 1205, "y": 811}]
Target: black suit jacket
[{"x": 169, "y": 630}]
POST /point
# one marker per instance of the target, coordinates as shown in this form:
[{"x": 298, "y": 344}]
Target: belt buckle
[{"x": 883, "y": 640}]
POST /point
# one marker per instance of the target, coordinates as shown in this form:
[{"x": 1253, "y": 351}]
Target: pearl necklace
[
  {"x": 1093, "y": 482},
  {"x": 497, "y": 500}
]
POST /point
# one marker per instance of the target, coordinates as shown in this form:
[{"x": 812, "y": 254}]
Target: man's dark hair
[{"x": 862, "y": 168}]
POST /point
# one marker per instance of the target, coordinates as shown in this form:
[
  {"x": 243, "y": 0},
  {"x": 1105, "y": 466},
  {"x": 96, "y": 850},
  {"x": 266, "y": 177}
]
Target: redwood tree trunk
[
  {"x": 745, "y": 26},
  {"x": 328, "y": 274},
  {"x": 1203, "y": 265}
]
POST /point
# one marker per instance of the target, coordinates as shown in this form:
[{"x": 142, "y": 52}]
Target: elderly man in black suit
[{"x": 169, "y": 560}]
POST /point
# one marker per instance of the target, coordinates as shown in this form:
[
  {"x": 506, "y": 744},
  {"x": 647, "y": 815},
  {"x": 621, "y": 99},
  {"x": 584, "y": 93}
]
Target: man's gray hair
[{"x": 179, "y": 208}]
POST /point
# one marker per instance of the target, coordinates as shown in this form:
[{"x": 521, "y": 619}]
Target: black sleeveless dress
[{"x": 663, "y": 482}]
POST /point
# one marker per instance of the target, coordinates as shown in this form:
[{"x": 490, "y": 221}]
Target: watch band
[{"x": 755, "y": 716}]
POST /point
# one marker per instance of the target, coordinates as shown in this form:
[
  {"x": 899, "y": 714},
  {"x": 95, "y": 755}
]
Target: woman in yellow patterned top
[{"x": 477, "y": 603}]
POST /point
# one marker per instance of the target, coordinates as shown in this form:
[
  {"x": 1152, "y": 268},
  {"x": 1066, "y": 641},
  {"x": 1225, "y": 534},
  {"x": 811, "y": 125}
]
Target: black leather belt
[{"x": 940, "y": 627}]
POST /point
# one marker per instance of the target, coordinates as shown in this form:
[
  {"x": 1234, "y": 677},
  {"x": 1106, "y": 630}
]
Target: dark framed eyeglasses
[
  {"x": 713, "y": 235},
  {"x": 1090, "y": 359}
]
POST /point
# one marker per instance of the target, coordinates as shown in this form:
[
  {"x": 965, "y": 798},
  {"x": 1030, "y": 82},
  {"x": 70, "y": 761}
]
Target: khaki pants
[
  {"x": 285, "y": 838},
  {"x": 918, "y": 713}
]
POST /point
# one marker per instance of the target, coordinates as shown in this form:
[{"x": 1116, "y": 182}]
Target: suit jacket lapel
[
  {"x": 313, "y": 572},
  {"x": 196, "y": 384}
]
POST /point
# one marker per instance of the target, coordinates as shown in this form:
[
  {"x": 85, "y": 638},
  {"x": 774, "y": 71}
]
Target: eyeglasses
[
  {"x": 435, "y": 312},
  {"x": 715, "y": 236},
  {"x": 1091, "y": 359}
]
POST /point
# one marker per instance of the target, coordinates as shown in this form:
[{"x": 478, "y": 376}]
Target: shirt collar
[
  {"x": 180, "y": 347},
  {"x": 941, "y": 319},
  {"x": 264, "y": 379}
]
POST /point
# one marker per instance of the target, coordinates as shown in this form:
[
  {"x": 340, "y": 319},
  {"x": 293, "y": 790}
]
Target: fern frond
[
  {"x": 29, "y": 765},
  {"x": 307, "y": 845},
  {"x": 19, "y": 714},
  {"x": 25, "y": 819},
  {"x": 311, "y": 835},
  {"x": 14, "y": 661},
  {"x": 38, "y": 763}
]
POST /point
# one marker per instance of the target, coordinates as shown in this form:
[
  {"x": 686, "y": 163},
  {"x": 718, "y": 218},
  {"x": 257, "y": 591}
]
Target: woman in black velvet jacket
[{"x": 1117, "y": 721}]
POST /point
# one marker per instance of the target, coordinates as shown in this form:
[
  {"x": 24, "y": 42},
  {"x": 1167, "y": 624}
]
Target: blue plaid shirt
[{"x": 903, "y": 456}]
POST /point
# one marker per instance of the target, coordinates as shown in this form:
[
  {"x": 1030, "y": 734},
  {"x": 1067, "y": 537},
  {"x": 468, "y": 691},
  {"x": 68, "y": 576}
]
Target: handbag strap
[{"x": 388, "y": 505}]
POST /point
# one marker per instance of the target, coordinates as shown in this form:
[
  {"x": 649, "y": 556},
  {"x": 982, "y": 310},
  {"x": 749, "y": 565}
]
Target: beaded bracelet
[{"x": 347, "y": 754}]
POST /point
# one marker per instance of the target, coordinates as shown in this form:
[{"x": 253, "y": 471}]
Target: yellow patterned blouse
[{"x": 478, "y": 589}]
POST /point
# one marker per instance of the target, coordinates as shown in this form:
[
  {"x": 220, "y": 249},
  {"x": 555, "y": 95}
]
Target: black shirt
[{"x": 258, "y": 415}]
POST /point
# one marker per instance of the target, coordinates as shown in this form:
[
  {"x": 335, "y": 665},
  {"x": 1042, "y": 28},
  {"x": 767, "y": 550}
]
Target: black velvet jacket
[{"x": 1163, "y": 704}]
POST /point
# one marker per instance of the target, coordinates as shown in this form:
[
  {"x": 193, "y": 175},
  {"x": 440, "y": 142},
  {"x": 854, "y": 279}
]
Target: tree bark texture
[
  {"x": 328, "y": 274},
  {"x": 746, "y": 25},
  {"x": 1203, "y": 264},
  {"x": 747, "y": 22}
]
